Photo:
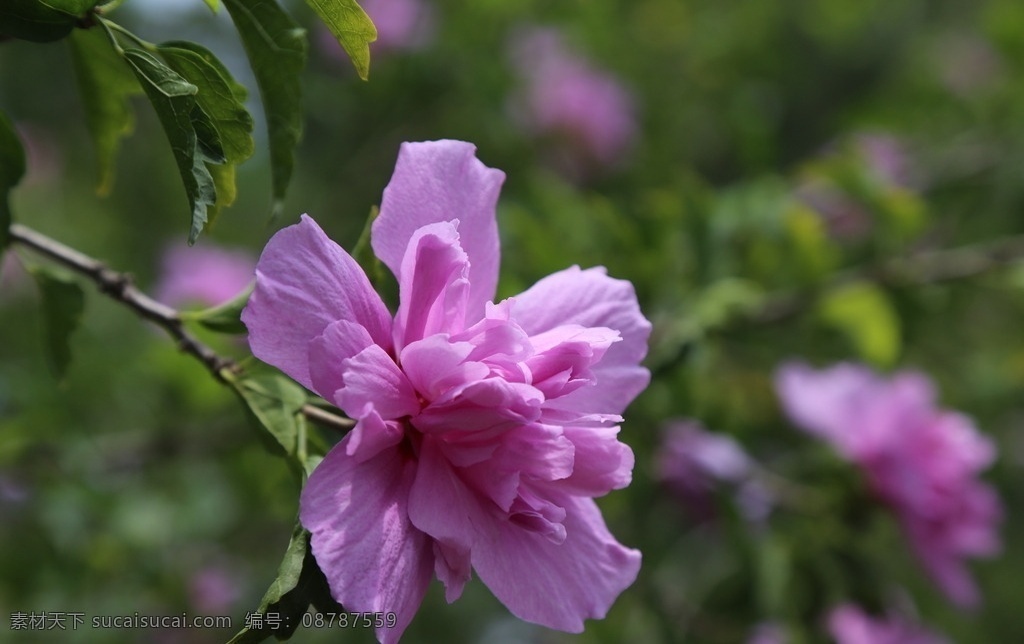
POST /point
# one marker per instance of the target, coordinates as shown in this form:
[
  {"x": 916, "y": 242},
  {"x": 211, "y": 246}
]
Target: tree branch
[{"x": 119, "y": 287}]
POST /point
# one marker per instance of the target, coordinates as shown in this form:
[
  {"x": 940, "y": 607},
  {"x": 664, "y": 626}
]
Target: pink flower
[
  {"x": 402, "y": 25},
  {"x": 484, "y": 430},
  {"x": 204, "y": 275},
  {"x": 848, "y": 624},
  {"x": 923, "y": 462},
  {"x": 694, "y": 462},
  {"x": 565, "y": 95}
]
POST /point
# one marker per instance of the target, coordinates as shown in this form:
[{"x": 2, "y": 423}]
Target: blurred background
[{"x": 755, "y": 169}]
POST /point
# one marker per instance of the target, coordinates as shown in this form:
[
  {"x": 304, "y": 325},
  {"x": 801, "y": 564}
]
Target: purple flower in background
[
  {"x": 768, "y": 633},
  {"x": 213, "y": 590},
  {"x": 14, "y": 278},
  {"x": 885, "y": 157},
  {"x": 922, "y": 461},
  {"x": 483, "y": 430},
  {"x": 694, "y": 462},
  {"x": 204, "y": 275},
  {"x": 402, "y": 25},
  {"x": 848, "y": 624},
  {"x": 565, "y": 95}
]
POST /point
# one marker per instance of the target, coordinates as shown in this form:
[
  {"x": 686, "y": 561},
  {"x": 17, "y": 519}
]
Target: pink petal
[
  {"x": 373, "y": 377},
  {"x": 435, "y": 365},
  {"x": 602, "y": 463},
  {"x": 305, "y": 282},
  {"x": 433, "y": 286},
  {"x": 556, "y": 585},
  {"x": 372, "y": 435},
  {"x": 440, "y": 181},
  {"x": 592, "y": 299},
  {"x": 340, "y": 340},
  {"x": 374, "y": 559}
]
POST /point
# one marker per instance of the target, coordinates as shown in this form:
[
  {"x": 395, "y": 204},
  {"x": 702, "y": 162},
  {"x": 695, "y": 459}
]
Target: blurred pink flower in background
[
  {"x": 695, "y": 463},
  {"x": 886, "y": 157},
  {"x": 566, "y": 96},
  {"x": 402, "y": 25},
  {"x": 14, "y": 279},
  {"x": 213, "y": 590},
  {"x": 204, "y": 275},
  {"x": 484, "y": 430},
  {"x": 921, "y": 461},
  {"x": 848, "y": 624},
  {"x": 768, "y": 633}
]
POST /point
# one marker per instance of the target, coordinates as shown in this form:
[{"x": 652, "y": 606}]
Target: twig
[{"x": 119, "y": 287}]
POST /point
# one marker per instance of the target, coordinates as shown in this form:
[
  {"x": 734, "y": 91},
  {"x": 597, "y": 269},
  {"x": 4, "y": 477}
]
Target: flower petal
[
  {"x": 592, "y": 299},
  {"x": 433, "y": 286},
  {"x": 373, "y": 377},
  {"x": 305, "y": 282},
  {"x": 374, "y": 559},
  {"x": 339, "y": 341},
  {"x": 439, "y": 181},
  {"x": 557, "y": 585},
  {"x": 602, "y": 462}
]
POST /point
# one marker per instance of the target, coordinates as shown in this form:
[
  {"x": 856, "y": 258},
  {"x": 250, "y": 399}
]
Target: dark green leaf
[
  {"x": 277, "y": 51},
  {"x": 363, "y": 253},
  {"x": 41, "y": 21},
  {"x": 63, "y": 304},
  {"x": 275, "y": 401},
  {"x": 299, "y": 583},
  {"x": 351, "y": 26},
  {"x": 12, "y": 168},
  {"x": 219, "y": 96},
  {"x": 106, "y": 86},
  {"x": 173, "y": 98},
  {"x": 226, "y": 318}
]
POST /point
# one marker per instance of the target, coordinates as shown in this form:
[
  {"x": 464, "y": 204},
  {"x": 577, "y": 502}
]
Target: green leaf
[
  {"x": 188, "y": 128},
  {"x": 214, "y": 5},
  {"x": 226, "y": 318},
  {"x": 106, "y": 86},
  {"x": 42, "y": 21},
  {"x": 63, "y": 304},
  {"x": 275, "y": 401},
  {"x": 363, "y": 252},
  {"x": 218, "y": 96},
  {"x": 351, "y": 26},
  {"x": 12, "y": 169},
  {"x": 863, "y": 312},
  {"x": 277, "y": 50},
  {"x": 299, "y": 583}
]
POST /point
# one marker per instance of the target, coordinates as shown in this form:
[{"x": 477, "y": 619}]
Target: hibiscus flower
[{"x": 484, "y": 431}]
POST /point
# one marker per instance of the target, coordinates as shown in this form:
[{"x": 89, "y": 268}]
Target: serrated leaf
[
  {"x": 106, "y": 86},
  {"x": 863, "y": 312},
  {"x": 219, "y": 95},
  {"x": 63, "y": 304},
  {"x": 277, "y": 50},
  {"x": 173, "y": 98},
  {"x": 12, "y": 169},
  {"x": 351, "y": 26},
  {"x": 226, "y": 318},
  {"x": 274, "y": 400}
]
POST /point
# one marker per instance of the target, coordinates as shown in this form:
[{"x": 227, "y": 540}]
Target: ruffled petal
[
  {"x": 339, "y": 341},
  {"x": 592, "y": 299},
  {"x": 552, "y": 584},
  {"x": 433, "y": 286},
  {"x": 304, "y": 283},
  {"x": 603, "y": 463},
  {"x": 440, "y": 181},
  {"x": 374, "y": 559},
  {"x": 372, "y": 377}
]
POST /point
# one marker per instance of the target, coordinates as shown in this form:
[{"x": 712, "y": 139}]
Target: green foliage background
[{"x": 136, "y": 470}]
